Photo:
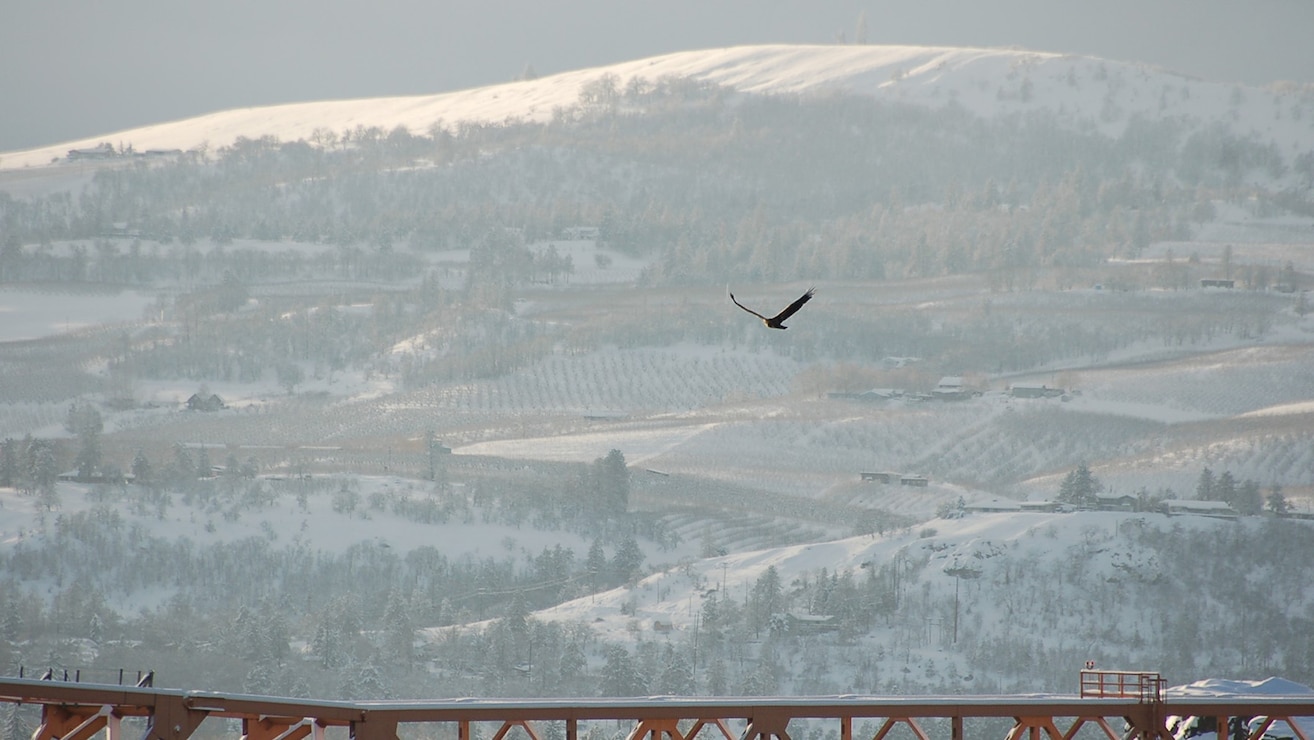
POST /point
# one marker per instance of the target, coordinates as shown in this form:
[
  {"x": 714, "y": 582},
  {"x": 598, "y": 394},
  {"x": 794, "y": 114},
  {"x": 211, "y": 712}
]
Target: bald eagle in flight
[{"x": 778, "y": 321}]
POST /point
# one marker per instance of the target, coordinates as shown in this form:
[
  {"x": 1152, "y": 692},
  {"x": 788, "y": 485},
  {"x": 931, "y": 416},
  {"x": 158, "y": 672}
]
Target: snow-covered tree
[
  {"x": 399, "y": 631},
  {"x": 628, "y": 559},
  {"x": 1204, "y": 487},
  {"x": 86, "y": 423},
  {"x": 676, "y": 678},
  {"x": 717, "y": 680},
  {"x": 365, "y": 683},
  {"x": 42, "y": 471},
  {"x": 1079, "y": 487},
  {"x": 620, "y": 674},
  {"x": 8, "y": 462},
  {"x": 1248, "y": 500},
  {"x": 766, "y": 599},
  {"x": 1276, "y": 503},
  {"x": 142, "y": 472}
]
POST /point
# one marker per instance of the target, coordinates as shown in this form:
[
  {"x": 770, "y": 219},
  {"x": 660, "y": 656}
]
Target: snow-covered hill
[
  {"x": 1086, "y": 92},
  {"x": 1051, "y": 588}
]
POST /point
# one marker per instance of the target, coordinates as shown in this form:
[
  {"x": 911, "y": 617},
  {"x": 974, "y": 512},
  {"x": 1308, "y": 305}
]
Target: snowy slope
[
  {"x": 1090, "y": 93},
  {"x": 1213, "y": 688}
]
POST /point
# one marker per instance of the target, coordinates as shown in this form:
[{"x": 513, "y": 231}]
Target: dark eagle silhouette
[{"x": 778, "y": 321}]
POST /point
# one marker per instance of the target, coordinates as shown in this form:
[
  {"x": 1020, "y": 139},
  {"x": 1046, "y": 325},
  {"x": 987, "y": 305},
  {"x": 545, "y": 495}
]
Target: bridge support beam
[
  {"x": 1268, "y": 722},
  {"x": 718, "y": 724},
  {"x": 1031, "y": 728},
  {"x": 1081, "y": 722},
  {"x": 892, "y": 722},
  {"x": 373, "y": 729},
  {"x": 280, "y": 728},
  {"x": 59, "y": 723},
  {"x": 766, "y": 725},
  {"x": 522, "y": 724},
  {"x": 655, "y": 729},
  {"x": 172, "y": 719}
]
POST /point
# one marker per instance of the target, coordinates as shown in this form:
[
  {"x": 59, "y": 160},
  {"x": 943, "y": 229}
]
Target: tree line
[{"x": 863, "y": 189}]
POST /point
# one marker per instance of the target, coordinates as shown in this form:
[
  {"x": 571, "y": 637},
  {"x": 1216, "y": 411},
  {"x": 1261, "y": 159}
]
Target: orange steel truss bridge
[{"x": 1111, "y": 704}]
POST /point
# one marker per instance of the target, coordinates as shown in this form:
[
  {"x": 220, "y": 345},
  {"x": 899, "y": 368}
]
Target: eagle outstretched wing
[{"x": 777, "y": 321}]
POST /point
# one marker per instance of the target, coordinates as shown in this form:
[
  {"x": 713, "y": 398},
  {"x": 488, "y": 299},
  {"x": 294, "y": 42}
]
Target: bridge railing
[
  {"x": 1146, "y": 686},
  {"x": 79, "y": 711}
]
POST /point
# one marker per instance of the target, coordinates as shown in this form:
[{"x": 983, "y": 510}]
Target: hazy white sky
[{"x": 74, "y": 68}]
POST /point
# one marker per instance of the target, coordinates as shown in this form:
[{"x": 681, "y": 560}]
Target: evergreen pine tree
[
  {"x": 711, "y": 623},
  {"x": 620, "y": 677},
  {"x": 88, "y": 425},
  {"x": 182, "y": 473},
  {"x": 11, "y": 625},
  {"x": 1276, "y": 502},
  {"x": 364, "y": 683},
  {"x": 327, "y": 646},
  {"x": 203, "y": 466},
  {"x": 1204, "y": 487},
  {"x": 1248, "y": 500},
  {"x": 717, "y": 682},
  {"x": 1225, "y": 489},
  {"x": 142, "y": 473},
  {"x": 260, "y": 679},
  {"x": 596, "y": 565},
  {"x": 12, "y": 727},
  {"x": 1079, "y": 487},
  {"x": 399, "y": 630},
  {"x": 612, "y": 479},
  {"x": 766, "y": 599},
  {"x": 676, "y": 678},
  {"x": 628, "y": 559},
  {"x": 275, "y": 633},
  {"x": 8, "y": 463},
  {"x": 42, "y": 472},
  {"x": 573, "y": 665}
]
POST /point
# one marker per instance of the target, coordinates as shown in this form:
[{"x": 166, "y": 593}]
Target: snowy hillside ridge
[
  {"x": 1091, "y": 93},
  {"x": 1214, "y": 687},
  {"x": 977, "y": 546}
]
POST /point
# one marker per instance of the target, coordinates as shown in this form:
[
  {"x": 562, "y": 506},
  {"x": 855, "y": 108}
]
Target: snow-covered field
[{"x": 27, "y": 313}]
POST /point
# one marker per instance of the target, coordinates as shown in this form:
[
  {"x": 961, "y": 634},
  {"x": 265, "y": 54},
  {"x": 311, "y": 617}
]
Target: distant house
[
  {"x": 950, "y": 383},
  {"x": 212, "y": 402},
  {"x": 1033, "y": 390},
  {"x": 994, "y": 505},
  {"x": 103, "y": 150},
  {"x": 1115, "y": 502},
  {"x": 1217, "y": 283},
  {"x": 951, "y": 388},
  {"x": 580, "y": 232},
  {"x": 880, "y": 477},
  {"x": 874, "y": 395},
  {"x": 1218, "y": 509},
  {"x": 1038, "y": 507},
  {"x": 917, "y": 481},
  {"x": 811, "y": 623}
]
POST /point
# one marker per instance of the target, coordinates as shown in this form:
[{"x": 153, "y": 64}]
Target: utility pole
[{"x": 955, "y": 608}]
